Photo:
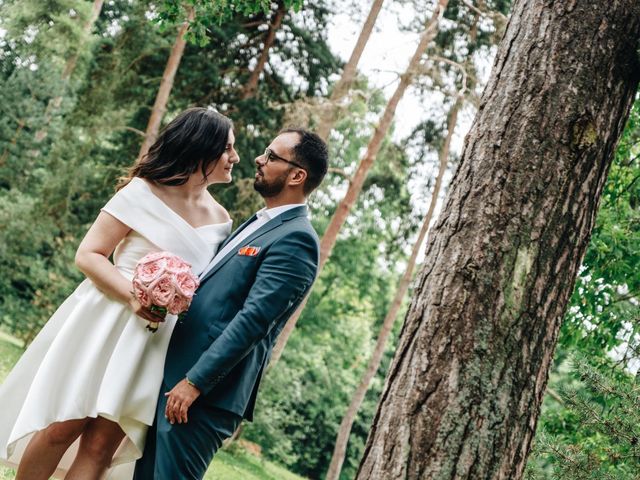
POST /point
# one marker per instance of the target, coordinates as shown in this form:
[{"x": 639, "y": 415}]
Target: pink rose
[
  {"x": 179, "y": 304},
  {"x": 148, "y": 272},
  {"x": 186, "y": 283},
  {"x": 176, "y": 264},
  {"x": 140, "y": 292},
  {"x": 161, "y": 291},
  {"x": 164, "y": 282}
]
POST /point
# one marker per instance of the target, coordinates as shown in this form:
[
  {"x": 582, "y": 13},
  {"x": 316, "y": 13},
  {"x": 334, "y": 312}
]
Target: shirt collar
[{"x": 269, "y": 213}]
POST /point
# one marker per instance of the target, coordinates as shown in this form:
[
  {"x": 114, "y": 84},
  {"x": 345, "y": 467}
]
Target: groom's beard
[{"x": 270, "y": 188}]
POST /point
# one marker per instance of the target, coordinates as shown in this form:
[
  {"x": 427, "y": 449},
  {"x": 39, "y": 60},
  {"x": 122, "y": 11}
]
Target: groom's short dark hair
[{"x": 312, "y": 153}]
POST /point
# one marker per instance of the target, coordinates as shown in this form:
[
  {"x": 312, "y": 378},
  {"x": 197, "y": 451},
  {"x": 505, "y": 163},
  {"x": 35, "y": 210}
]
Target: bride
[{"x": 80, "y": 399}]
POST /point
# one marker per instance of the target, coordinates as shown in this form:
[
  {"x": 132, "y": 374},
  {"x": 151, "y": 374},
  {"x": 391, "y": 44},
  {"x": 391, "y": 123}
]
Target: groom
[{"x": 218, "y": 354}]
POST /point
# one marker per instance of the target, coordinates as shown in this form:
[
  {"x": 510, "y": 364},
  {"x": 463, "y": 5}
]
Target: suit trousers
[{"x": 184, "y": 451}]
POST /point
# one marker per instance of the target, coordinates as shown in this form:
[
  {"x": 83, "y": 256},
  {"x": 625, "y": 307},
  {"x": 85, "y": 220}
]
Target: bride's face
[{"x": 220, "y": 172}]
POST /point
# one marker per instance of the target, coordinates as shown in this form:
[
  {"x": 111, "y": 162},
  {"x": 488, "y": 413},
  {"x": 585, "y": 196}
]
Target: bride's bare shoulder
[{"x": 218, "y": 211}]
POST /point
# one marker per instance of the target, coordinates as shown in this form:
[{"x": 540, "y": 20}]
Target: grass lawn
[{"x": 240, "y": 465}]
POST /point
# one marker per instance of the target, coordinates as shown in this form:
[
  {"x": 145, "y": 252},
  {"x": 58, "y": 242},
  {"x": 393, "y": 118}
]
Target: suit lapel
[
  {"x": 237, "y": 231},
  {"x": 270, "y": 225},
  {"x": 267, "y": 227}
]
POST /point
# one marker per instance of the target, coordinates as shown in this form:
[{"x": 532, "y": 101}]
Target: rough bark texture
[
  {"x": 166, "y": 84},
  {"x": 252, "y": 84},
  {"x": 349, "y": 72},
  {"x": 340, "y": 448},
  {"x": 463, "y": 394},
  {"x": 330, "y": 236}
]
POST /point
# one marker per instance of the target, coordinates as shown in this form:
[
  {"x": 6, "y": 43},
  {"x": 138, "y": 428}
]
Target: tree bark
[
  {"x": 340, "y": 216},
  {"x": 463, "y": 394},
  {"x": 340, "y": 448},
  {"x": 252, "y": 84},
  {"x": 166, "y": 84},
  {"x": 341, "y": 88}
]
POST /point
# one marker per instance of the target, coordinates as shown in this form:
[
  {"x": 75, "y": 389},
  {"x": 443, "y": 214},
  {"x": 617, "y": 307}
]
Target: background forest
[{"x": 78, "y": 82}]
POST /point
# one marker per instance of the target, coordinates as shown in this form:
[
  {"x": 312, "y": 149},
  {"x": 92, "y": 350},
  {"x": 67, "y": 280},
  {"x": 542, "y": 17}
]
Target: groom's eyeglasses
[{"x": 272, "y": 157}]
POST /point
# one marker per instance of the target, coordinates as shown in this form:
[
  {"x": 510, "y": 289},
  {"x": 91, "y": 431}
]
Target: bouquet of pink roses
[{"x": 164, "y": 283}]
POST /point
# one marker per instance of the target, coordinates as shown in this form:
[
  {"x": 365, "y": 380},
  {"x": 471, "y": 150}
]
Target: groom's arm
[{"x": 286, "y": 273}]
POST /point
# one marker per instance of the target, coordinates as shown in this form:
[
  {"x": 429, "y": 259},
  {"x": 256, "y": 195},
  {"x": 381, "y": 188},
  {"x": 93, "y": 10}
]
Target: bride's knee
[
  {"x": 100, "y": 441},
  {"x": 97, "y": 451},
  {"x": 64, "y": 433}
]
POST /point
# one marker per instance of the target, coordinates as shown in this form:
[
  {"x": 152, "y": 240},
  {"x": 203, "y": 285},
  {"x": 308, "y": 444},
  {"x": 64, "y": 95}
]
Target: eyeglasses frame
[{"x": 269, "y": 155}]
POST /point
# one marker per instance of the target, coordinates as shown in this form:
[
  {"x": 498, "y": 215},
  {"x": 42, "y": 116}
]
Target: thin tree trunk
[
  {"x": 236, "y": 435},
  {"x": 349, "y": 72},
  {"x": 344, "y": 431},
  {"x": 463, "y": 394},
  {"x": 166, "y": 84},
  {"x": 339, "y": 217},
  {"x": 70, "y": 66},
  {"x": 252, "y": 84}
]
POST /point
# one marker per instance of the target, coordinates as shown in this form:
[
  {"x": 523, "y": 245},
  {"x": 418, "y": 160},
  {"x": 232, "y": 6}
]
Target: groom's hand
[{"x": 179, "y": 400}]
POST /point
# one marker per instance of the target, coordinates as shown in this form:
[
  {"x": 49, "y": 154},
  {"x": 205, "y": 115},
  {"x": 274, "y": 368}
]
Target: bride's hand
[{"x": 144, "y": 312}]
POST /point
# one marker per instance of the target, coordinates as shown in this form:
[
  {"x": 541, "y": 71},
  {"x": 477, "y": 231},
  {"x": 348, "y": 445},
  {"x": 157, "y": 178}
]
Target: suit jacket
[{"x": 224, "y": 343}]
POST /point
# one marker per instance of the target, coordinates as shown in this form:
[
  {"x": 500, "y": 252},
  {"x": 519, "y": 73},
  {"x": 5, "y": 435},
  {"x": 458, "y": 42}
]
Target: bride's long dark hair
[{"x": 196, "y": 138}]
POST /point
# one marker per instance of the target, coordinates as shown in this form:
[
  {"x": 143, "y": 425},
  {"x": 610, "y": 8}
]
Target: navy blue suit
[{"x": 224, "y": 343}]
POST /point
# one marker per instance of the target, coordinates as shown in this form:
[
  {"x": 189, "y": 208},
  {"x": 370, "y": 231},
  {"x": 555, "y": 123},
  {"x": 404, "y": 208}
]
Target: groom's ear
[{"x": 298, "y": 178}]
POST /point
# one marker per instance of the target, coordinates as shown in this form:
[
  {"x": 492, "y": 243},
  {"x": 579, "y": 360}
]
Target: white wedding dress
[{"x": 94, "y": 356}]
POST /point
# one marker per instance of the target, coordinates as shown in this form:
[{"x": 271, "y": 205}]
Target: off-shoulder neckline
[{"x": 176, "y": 213}]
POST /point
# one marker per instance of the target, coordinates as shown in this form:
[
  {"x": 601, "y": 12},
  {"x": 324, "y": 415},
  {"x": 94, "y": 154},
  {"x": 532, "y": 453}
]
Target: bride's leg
[
  {"x": 46, "y": 447},
  {"x": 98, "y": 443}
]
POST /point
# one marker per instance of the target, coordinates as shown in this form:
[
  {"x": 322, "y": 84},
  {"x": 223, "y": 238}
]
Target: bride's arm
[{"x": 92, "y": 258}]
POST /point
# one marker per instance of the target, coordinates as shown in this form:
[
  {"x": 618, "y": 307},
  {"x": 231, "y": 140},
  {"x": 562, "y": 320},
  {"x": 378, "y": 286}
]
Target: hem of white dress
[{"x": 128, "y": 451}]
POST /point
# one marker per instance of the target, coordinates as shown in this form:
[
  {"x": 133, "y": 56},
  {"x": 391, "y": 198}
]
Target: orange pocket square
[{"x": 249, "y": 251}]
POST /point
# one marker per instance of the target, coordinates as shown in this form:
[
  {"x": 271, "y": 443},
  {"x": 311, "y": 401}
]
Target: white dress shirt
[{"x": 263, "y": 216}]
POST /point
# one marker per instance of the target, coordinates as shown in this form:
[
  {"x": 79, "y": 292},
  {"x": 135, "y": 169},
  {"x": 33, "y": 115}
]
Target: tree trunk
[
  {"x": 339, "y": 217},
  {"x": 252, "y": 84},
  {"x": 166, "y": 84},
  {"x": 341, "y": 88},
  {"x": 236, "y": 435},
  {"x": 464, "y": 390},
  {"x": 344, "y": 431}
]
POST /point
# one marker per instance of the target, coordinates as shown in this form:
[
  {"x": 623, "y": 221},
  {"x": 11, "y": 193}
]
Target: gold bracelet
[{"x": 190, "y": 382}]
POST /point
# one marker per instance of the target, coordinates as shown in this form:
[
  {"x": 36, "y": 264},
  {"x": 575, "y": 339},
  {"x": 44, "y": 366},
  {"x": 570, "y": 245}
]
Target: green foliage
[
  {"x": 212, "y": 12},
  {"x": 614, "y": 249},
  {"x": 37, "y": 261},
  {"x": 603, "y": 311},
  {"x": 596, "y": 435}
]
